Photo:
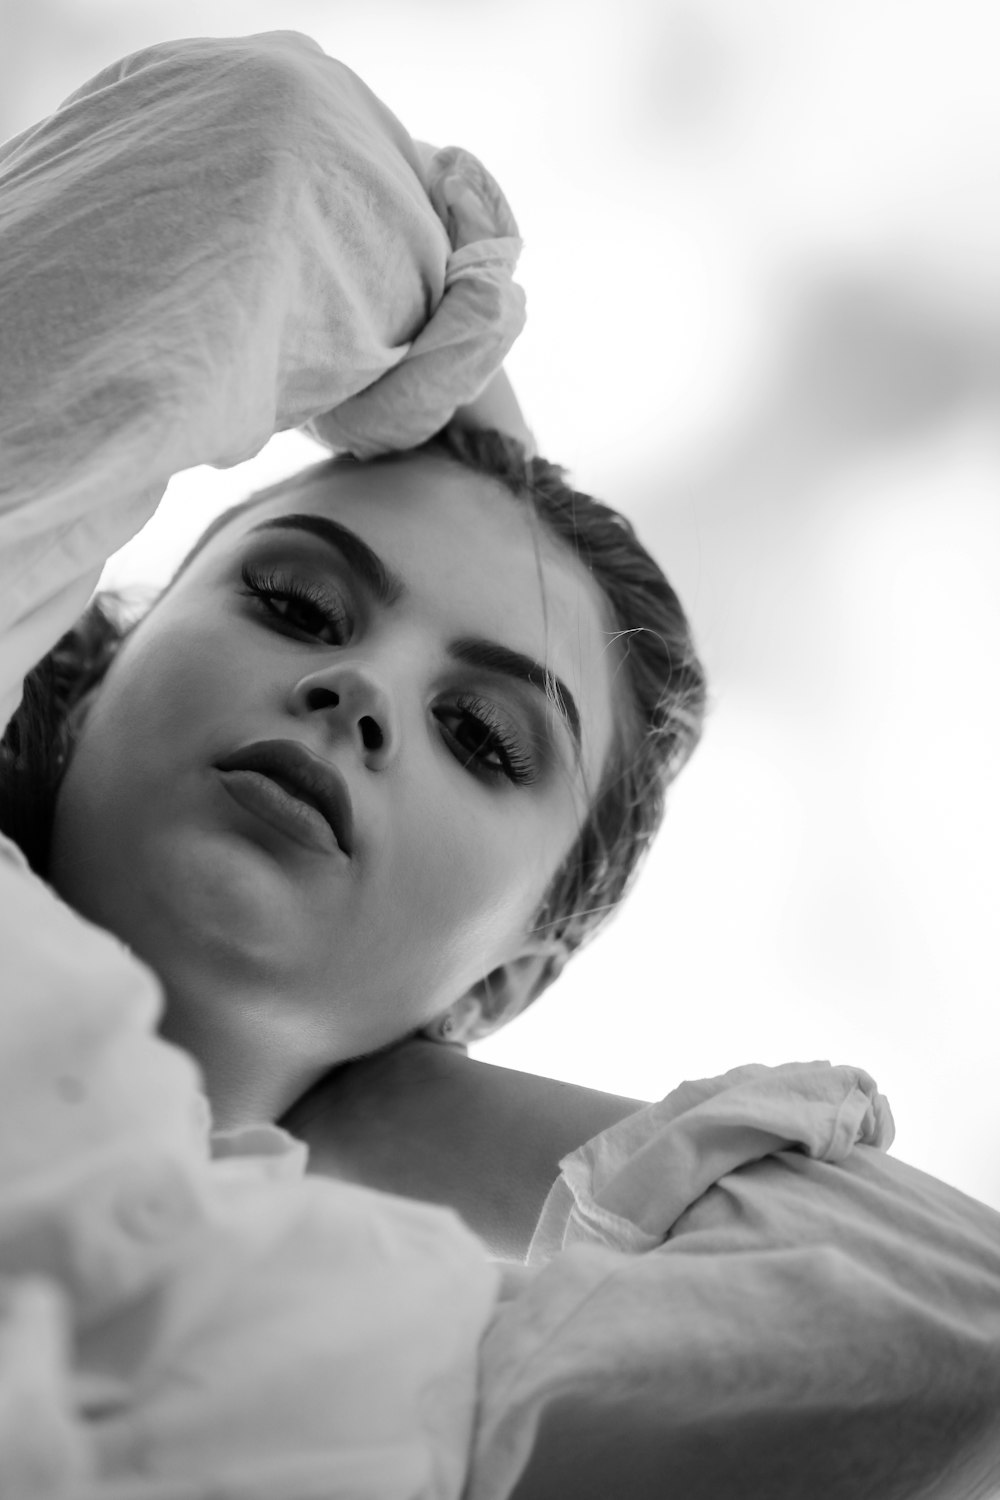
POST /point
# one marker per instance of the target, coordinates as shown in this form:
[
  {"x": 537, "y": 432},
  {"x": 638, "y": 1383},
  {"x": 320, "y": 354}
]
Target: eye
[
  {"x": 482, "y": 745},
  {"x": 307, "y": 601},
  {"x": 480, "y": 741}
]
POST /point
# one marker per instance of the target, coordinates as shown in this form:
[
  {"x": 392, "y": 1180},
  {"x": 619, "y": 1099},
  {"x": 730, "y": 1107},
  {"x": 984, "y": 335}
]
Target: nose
[{"x": 357, "y": 709}]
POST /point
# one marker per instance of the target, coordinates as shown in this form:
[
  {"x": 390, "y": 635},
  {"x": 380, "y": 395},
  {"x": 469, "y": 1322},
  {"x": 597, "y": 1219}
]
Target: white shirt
[
  {"x": 210, "y": 241},
  {"x": 738, "y": 1293}
]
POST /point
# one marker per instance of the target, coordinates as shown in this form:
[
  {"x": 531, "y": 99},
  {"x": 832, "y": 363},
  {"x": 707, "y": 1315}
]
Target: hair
[{"x": 661, "y": 682}]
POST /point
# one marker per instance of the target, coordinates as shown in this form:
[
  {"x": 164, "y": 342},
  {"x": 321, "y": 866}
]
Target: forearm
[
  {"x": 190, "y": 262},
  {"x": 175, "y": 261}
]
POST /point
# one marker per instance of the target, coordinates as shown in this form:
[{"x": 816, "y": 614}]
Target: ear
[{"x": 503, "y": 993}]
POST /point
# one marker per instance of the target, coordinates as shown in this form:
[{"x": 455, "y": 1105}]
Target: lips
[{"x": 305, "y": 775}]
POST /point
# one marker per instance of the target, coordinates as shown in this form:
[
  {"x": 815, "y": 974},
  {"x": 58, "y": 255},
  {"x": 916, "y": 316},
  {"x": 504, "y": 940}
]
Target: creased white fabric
[
  {"x": 202, "y": 1324},
  {"x": 797, "y": 1313},
  {"x": 614, "y": 1190},
  {"x": 212, "y": 240}
]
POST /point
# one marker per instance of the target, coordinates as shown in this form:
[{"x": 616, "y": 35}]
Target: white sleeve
[
  {"x": 179, "y": 1323},
  {"x": 805, "y": 1315},
  {"x": 212, "y": 241}
]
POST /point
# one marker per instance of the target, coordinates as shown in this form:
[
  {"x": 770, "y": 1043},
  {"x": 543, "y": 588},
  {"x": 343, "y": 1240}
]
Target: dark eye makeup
[
  {"x": 307, "y": 600},
  {"x": 473, "y": 728}
]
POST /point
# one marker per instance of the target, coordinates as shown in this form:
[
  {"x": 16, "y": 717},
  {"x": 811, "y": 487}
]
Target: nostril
[
  {"x": 371, "y": 734},
  {"x": 323, "y": 697}
]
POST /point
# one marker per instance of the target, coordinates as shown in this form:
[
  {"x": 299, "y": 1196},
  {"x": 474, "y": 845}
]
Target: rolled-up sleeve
[
  {"x": 211, "y": 241},
  {"x": 797, "y": 1313}
]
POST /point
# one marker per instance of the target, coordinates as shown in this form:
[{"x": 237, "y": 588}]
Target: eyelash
[{"x": 515, "y": 765}]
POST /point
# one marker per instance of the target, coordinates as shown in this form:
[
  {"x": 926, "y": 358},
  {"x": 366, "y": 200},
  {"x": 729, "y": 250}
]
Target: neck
[{"x": 251, "y": 1069}]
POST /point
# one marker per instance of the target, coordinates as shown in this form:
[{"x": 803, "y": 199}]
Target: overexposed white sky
[{"x": 762, "y": 260}]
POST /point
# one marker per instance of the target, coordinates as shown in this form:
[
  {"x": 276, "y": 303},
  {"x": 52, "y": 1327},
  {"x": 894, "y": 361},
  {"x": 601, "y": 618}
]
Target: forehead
[{"x": 474, "y": 561}]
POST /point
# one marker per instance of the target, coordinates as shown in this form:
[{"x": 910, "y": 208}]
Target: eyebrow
[{"x": 387, "y": 588}]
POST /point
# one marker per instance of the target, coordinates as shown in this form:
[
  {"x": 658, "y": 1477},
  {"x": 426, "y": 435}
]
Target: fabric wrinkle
[
  {"x": 469, "y": 332},
  {"x": 213, "y": 240},
  {"x": 630, "y": 1185}
]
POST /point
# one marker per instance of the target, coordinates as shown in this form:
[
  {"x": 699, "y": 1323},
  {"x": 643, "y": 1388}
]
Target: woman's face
[{"x": 464, "y": 785}]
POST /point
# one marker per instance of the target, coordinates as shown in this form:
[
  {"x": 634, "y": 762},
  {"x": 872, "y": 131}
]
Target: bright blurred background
[{"x": 763, "y": 272}]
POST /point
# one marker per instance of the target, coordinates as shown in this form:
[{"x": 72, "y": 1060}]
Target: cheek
[
  {"x": 470, "y": 878},
  {"x": 154, "y": 709}
]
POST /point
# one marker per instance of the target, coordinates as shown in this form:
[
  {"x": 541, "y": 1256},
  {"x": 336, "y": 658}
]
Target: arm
[
  {"x": 429, "y": 1122},
  {"x": 214, "y": 240},
  {"x": 809, "y": 1328},
  {"x": 776, "y": 1376}
]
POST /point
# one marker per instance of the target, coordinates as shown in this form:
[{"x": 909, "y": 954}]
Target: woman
[
  {"x": 209, "y": 242},
  {"x": 493, "y": 819},
  {"x": 178, "y": 1321}
]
